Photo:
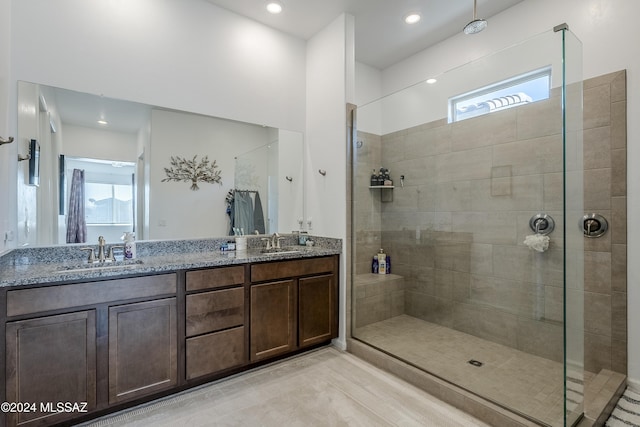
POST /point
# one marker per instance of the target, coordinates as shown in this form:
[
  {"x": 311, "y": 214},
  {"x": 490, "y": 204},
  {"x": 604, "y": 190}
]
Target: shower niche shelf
[{"x": 385, "y": 196}]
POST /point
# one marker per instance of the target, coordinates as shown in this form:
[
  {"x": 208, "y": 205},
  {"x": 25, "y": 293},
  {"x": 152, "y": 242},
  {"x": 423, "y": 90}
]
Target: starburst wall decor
[{"x": 193, "y": 171}]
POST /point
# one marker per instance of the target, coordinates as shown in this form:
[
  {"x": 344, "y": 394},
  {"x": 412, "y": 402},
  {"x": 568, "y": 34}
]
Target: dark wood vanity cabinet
[
  {"x": 50, "y": 359},
  {"x": 99, "y": 343},
  {"x": 273, "y": 319},
  {"x": 143, "y": 350},
  {"x": 114, "y": 343},
  {"x": 295, "y": 307},
  {"x": 216, "y": 338}
]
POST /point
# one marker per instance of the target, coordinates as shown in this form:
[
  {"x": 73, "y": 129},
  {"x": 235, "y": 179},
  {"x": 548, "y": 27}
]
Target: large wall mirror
[{"x": 121, "y": 166}]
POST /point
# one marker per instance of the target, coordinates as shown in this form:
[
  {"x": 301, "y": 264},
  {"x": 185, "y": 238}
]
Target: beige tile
[
  {"x": 486, "y": 227},
  {"x": 619, "y": 125},
  {"x": 542, "y": 118},
  {"x": 428, "y": 142},
  {"x": 619, "y": 356},
  {"x": 597, "y": 189},
  {"x": 486, "y": 323},
  {"x": 495, "y": 128},
  {"x": 463, "y": 165},
  {"x": 619, "y": 172},
  {"x": 619, "y": 316},
  {"x": 541, "y": 338},
  {"x": 480, "y": 257},
  {"x": 604, "y": 79},
  {"x": 597, "y": 316},
  {"x": 453, "y": 196},
  {"x": 531, "y": 156},
  {"x": 618, "y": 220},
  {"x": 597, "y": 148},
  {"x": 597, "y": 352},
  {"x": 597, "y": 272},
  {"x": 524, "y": 193},
  {"x": 619, "y": 268},
  {"x": 553, "y": 303},
  {"x": 520, "y": 298},
  {"x": 553, "y": 191},
  {"x": 619, "y": 86},
  {"x": 597, "y": 107}
]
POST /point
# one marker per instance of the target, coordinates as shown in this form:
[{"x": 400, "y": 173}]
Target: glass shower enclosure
[{"x": 480, "y": 222}]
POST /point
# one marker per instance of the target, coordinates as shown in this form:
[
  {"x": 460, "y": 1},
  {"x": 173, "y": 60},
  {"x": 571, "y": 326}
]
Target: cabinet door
[
  {"x": 273, "y": 319},
  {"x": 142, "y": 349},
  {"x": 49, "y": 360},
  {"x": 317, "y": 321}
]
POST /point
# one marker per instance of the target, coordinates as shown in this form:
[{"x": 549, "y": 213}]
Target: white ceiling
[{"x": 381, "y": 36}]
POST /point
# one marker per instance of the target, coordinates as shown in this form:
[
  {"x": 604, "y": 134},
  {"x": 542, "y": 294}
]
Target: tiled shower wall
[{"x": 455, "y": 230}]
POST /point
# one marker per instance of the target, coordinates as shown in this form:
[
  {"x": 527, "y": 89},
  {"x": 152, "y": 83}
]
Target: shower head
[{"x": 476, "y": 25}]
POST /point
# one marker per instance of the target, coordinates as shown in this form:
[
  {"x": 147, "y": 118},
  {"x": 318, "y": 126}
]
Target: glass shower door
[{"x": 481, "y": 227}]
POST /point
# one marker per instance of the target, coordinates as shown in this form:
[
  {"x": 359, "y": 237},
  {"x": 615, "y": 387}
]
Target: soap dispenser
[{"x": 129, "y": 245}]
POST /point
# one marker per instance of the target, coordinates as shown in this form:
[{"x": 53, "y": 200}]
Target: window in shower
[{"x": 512, "y": 92}]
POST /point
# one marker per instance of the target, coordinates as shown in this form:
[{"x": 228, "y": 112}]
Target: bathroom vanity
[{"x": 83, "y": 342}]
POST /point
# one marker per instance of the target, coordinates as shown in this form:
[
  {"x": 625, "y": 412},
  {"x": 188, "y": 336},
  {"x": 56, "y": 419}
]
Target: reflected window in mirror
[{"x": 108, "y": 196}]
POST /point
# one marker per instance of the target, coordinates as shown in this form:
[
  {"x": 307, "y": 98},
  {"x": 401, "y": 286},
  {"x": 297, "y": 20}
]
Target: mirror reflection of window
[{"x": 109, "y": 196}]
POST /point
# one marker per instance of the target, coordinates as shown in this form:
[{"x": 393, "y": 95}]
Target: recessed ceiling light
[
  {"x": 412, "y": 18},
  {"x": 274, "y": 7},
  {"x": 103, "y": 122},
  {"x": 431, "y": 81}
]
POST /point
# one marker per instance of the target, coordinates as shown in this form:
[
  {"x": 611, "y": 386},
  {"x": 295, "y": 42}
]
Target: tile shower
[{"x": 463, "y": 284}]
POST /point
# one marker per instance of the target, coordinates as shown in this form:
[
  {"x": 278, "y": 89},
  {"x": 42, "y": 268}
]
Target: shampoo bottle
[
  {"x": 388, "y": 264},
  {"x": 374, "y": 265},
  {"x": 382, "y": 262}
]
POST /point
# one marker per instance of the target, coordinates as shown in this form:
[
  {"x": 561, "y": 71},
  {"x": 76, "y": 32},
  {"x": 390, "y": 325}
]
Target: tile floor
[
  {"x": 326, "y": 387},
  {"x": 527, "y": 384}
]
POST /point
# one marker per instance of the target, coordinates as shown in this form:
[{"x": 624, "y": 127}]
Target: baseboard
[
  {"x": 339, "y": 343},
  {"x": 634, "y": 385}
]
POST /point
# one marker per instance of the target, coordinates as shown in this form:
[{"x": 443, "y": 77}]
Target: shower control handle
[{"x": 594, "y": 225}]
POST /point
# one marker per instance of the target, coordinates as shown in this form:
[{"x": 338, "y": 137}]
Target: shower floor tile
[{"x": 519, "y": 381}]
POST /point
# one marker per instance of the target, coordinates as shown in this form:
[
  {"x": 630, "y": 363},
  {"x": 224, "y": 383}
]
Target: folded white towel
[{"x": 537, "y": 242}]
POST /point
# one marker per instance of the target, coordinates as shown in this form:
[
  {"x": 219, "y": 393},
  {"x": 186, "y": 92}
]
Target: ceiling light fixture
[
  {"x": 431, "y": 81},
  {"x": 103, "y": 122},
  {"x": 476, "y": 25},
  {"x": 274, "y": 7},
  {"x": 412, "y": 18}
]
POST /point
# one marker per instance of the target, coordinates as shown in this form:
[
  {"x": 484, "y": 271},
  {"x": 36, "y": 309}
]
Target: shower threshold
[{"x": 525, "y": 384}]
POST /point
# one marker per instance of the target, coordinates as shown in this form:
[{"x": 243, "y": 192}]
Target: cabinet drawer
[
  {"x": 214, "y": 352},
  {"x": 215, "y": 278},
  {"x": 34, "y": 300},
  {"x": 285, "y": 269},
  {"x": 215, "y": 310}
]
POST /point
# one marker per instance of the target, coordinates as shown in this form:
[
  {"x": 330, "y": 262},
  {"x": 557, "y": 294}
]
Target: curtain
[{"x": 76, "y": 224}]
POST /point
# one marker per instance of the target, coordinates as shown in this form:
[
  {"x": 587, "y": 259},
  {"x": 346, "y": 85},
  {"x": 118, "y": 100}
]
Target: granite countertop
[{"x": 20, "y": 267}]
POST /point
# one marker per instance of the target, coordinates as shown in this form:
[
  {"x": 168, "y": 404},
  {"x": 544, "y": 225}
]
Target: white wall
[
  {"x": 290, "y": 202},
  {"x": 608, "y": 30},
  {"x": 329, "y": 57},
  {"x": 92, "y": 143},
  {"x": 7, "y": 151},
  {"x": 175, "y": 211},
  {"x": 188, "y": 55}
]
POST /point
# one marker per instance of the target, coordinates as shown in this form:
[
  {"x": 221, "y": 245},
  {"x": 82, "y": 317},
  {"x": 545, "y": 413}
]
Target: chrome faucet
[
  {"x": 275, "y": 241},
  {"x": 101, "y": 256}
]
